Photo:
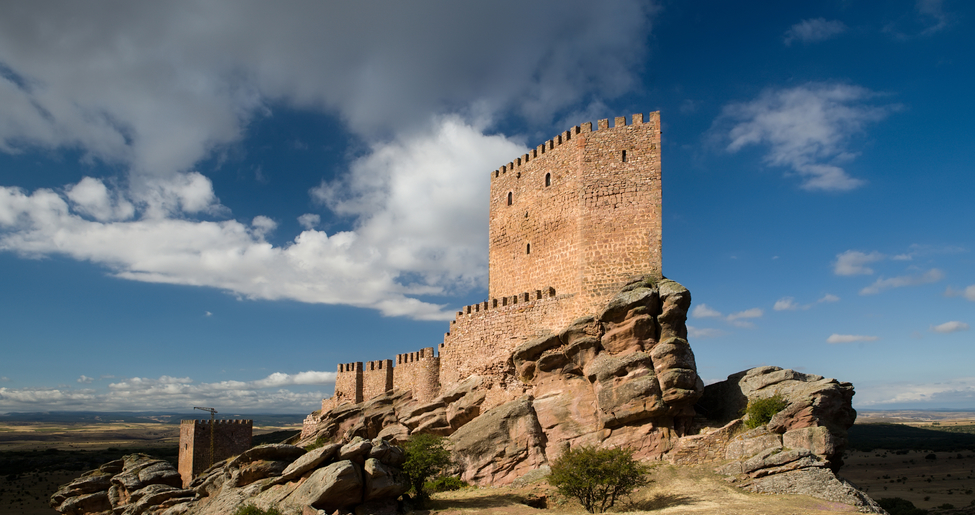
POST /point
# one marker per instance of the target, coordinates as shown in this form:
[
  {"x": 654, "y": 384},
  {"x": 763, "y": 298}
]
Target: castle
[
  {"x": 230, "y": 438},
  {"x": 570, "y": 223}
]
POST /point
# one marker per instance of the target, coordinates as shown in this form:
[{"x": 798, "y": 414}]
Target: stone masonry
[
  {"x": 570, "y": 223},
  {"x": 230, "y": 438}
]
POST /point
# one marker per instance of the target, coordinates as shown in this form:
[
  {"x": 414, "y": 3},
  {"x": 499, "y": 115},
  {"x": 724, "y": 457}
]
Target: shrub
[
  {"x": 320, "y": 441},
  {"x": 426, "y": 456},
  {"x": 250, "y": 509},
  {"x": 900, "y": 506},
  {"x": 445, "y": 484},
  {"x": 761, "y": 411},
  {"x": 597, "y": 477}
]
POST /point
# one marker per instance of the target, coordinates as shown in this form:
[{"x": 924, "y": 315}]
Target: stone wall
[
  {"x": 377, "y": 378},
  {"x": 579, "y": 213},
  {"x": 348, "y": 386},
  {"x": 418, "y": 372},
  {"x": 230, "y": 437},
  {"x": 481, "y": 339}
]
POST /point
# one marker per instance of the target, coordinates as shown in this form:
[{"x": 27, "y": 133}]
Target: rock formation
[
  {"x": 625, "y": 377},
  {"x": 360, "y": 475}
]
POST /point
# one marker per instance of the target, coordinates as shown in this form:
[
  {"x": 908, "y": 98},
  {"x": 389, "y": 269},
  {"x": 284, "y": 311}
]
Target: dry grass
[{"x": 674, "y": 490}]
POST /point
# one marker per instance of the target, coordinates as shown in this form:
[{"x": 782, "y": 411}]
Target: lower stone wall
[
  {"x": 418, "y": 372},
  {"x": 480, "y": 341},
  {"x": 377, "y": 378}
]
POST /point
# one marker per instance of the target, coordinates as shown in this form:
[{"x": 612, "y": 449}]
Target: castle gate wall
[{"x": 230, "y": 437}]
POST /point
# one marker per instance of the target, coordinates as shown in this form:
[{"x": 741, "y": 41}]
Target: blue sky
[{"x": 213, "y": 203}]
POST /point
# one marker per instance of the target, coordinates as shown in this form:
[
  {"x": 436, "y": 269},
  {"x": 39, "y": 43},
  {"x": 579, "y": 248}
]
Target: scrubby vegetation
[
  {"x": 426, "y": 457},
  {"x": 597, "y": 477},
  {"x": 445, "y": 484},
  {"x": 761, "y": 411}
]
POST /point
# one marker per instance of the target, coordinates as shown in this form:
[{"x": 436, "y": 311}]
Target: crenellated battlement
[
  {"x": 219, "y": 423},
  {"x": 579, "y": 213}
]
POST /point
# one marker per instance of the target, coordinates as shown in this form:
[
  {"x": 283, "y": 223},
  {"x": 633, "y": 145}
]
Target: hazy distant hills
[{"x": 94, "y": 417}]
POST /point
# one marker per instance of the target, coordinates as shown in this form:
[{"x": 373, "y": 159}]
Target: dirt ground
[
  {"x": 674, "y": 490},
  {"x": 911, "y": 475}
]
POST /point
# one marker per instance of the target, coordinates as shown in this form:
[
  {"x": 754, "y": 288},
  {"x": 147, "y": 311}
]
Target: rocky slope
[{"x": 359, "y": 476}]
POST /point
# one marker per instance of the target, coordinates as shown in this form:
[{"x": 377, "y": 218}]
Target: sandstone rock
[
  {"x": 815, "y": 482},
  {"x": 85, "y": 503},
  {"x": 500, "y": 445},
  {"x": 309, "y": 461},
  {"x": 628, "y": 299},
  {"x": 675, "y": 301},
  {"x": 257, "y": 470},
  {"x": 268, "y": 452},
  {"x": 581, "y": 328},
  {"x": 396, "y": 433},
  {"x": 332, "y": 487},
  {"x": 160, "y": 473},
  {"x": 356, "y": 451},
  {"x": 382, "y": 482},
  {"x": 464, "y": 409},
  {"x": 626, "y": 388},
  {"x": 630, "y": 334}
]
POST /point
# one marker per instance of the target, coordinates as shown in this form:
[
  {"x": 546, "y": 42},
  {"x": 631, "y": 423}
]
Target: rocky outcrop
[
  {"x": 623, "y": 377},
  {"x": 333, "y": 477}
]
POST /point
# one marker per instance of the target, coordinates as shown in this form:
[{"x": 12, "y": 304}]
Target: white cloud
[
  {"x": 738, "y": 319},
  {"x": 85, "y": 379},
  {"x": 950, "y": 327},
  {"x": 422, "y": 83},
  {"x": 853, "y": 262},
  {"x": 786, "y": 304},
  {"x": 167, "y": 393},
  {"x": 309, "y": 221},
  {"x": 850, "y": 338},
  {"x": 4, "y": 379},
  {"x": 814, "y": 30},
  {"x": 829, "y": 297},
  {"x": 881, "y": 284},
  {"x": 968, "y": 293},
  {"x": 954, "y": 392},
  {"x": 703, "y": 332},
  {"x": 806, "y": 128},
  {"x": 703, "y": 311}
]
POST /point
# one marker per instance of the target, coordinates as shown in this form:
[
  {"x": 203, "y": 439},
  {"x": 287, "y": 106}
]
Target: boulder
[
  {"x": 382, "y": 482},
  {"x": 309, "y": 461},
  {"x": 332, "y": 487},
  {"x": 356, "y": 451},
  {"x": 501, "y": 444},
  {"x": 626, "y": 388}
]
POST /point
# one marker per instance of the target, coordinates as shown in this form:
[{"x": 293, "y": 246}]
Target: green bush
[
  {"x": 445, "y": 484},
  {"x": 900, "y": 506},
  {"x": 597, "y": 477},
  {"x": 761, "y": 411},
  {"x": 320, "y": 441},
  {"x": 250, "y": 509},
  {"x": 426, "y": 457}
]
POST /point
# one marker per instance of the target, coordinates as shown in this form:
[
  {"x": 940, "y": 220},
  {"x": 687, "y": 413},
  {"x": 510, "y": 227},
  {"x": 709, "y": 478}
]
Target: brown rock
[
  {"x": 334, "y": 486},
  {"x": 383, "y": 482},
  {"x": 356, "y": 451},
  {"x": 86, "y": 503},
  {"x": 626, "y": 388},
  {"x": 309, "y": 461},
  {"x": 501, "y": 444}
]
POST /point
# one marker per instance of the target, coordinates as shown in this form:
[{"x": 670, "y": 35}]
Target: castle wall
[
  {"x": 480, "y": 340},
  {"x": 377, "y": 378},
  {"x": 230, "y": 437},
  {"x": 418, "y": 372},
  {"x": 348, "y": 386}
]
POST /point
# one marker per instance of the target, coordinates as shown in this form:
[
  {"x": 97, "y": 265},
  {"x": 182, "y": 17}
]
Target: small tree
[
  {"x": 597, "y": 477},
  {"x": 426, "y": 456}
]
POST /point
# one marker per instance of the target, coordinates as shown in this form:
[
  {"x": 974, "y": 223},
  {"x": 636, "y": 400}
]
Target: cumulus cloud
[
  {"x": 806, "y": 128},
  {"x": 85, "y": 379},
  {"x": 850, "y": 338},
  {"x": 814, "y": 30},
  {"x": 968, "y": 293},
  {"x": 881, "y": 284},
  {"x": 309, "y": 220},
  {"x": 829, "y": 297},
  {"x": 950, "y": 327},
  {"x": 853, "y": 262},
  {"x": 787, "y": 304},
  {"x": 703, "y": 311},
  {"x": 168, "y": 393},
  {"x": 154, "y": 90},
  {"x": 737, "y": 319}
]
